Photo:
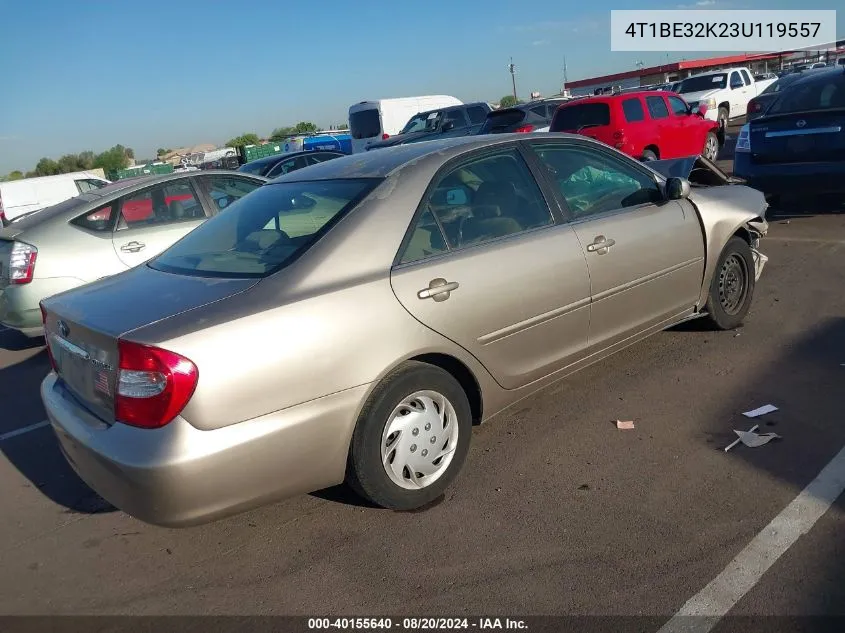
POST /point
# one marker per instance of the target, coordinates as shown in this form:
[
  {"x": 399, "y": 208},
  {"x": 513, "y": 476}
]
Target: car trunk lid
[
  {"x": 799, "y": 138},
  {"x": 83, "y": 326}
]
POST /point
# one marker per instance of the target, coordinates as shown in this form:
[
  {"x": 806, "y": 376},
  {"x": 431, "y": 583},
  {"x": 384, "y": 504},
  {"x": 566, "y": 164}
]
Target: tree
[
  {"x": 250, "y": 138},
  {"x": 47, "y": 167},
  {"x": 114, "y": 159},
  {"x": 281, "y": 133},
  {"x": 15, "y": 175},
  {"x": 305, "y": 127},
  {"x": 508, "y": 101}
]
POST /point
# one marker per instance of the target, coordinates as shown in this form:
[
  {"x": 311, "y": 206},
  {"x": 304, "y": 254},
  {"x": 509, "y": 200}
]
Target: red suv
[{"x": 649, "y": 125}]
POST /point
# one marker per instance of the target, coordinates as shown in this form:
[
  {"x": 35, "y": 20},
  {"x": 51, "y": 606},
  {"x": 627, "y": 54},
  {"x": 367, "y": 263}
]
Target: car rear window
[
  {"x": 365, "y": 123},
  {"x": 574, "y": 117},
  {"x": 821, "y": 94},
  {"x": 502, "y": 120},
  {"x": 263, "y": 232},
  {"x": 633, "y": 109}
]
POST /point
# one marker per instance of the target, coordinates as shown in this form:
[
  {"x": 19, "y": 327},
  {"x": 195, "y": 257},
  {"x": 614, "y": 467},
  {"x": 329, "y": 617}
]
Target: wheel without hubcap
[
  {"x": 732, "y": 284},
  {"x": 732, "y": 288}
]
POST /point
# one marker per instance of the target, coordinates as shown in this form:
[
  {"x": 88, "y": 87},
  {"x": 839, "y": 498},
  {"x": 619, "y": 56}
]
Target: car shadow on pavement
[
  {"x": 14, "y": 341},
  {"x": 36, "y": 453}
]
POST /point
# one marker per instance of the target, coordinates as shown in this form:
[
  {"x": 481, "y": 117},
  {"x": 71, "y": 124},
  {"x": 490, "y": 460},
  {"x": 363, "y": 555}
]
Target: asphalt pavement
[{"x": 556, "y": 512}]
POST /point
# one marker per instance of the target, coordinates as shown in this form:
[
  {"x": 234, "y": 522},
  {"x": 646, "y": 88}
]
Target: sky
[{"x": 88, "y": 74}]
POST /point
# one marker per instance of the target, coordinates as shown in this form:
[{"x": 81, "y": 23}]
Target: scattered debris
[
  {"x": 767, "y": 408},
  {"x": 735, "y": 442},
  {"x": 736, "y": 334},
  {"x": 583, "y": 487},
  {"x": 624, "y": 424},
  {"x": 752, "y": 439},
  {"x": 498, "y": 490}
]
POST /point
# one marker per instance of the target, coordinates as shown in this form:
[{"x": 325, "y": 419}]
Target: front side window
[
  {"x": 167, "y": 203},
  {"x": 678, "y": 105},
  {"x": 224, "y": 190},
  {"x": 736, "y": 81},
  {"x": 592, "y": 182},
  {"x": 287, "y": 166},
  {"x": 264, "y": 231},
  {"x": 487, "y": 198},
  {"x": 657, "y": 107},
  {"x": 423, "y": 122}
]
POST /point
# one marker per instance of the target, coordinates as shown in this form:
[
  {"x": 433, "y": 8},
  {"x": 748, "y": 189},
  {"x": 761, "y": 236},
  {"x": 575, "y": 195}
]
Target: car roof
[
  {"x": 383, "y": 162},
  {"x": 274, "y": 158},
  {"x": 811, "y": 75}
]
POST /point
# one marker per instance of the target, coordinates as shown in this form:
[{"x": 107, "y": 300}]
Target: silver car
[
  {"x": 103, "y": 232},
  {"x": 352, "y": 320}
]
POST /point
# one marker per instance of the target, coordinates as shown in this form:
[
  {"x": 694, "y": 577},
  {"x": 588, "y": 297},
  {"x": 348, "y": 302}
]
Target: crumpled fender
[{"x": 725, "y": 211}]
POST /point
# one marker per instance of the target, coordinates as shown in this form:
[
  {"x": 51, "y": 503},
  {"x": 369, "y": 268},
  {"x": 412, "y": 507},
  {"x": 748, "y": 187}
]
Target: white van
[
  {"x": 31, "y": 194},
  {"x": 377, "y": 120}
]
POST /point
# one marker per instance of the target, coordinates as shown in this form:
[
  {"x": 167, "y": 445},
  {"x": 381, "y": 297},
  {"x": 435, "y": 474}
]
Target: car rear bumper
[
  {"x": 178, "y": 475},
  {"x": 19, "y": 304},
  {"x": 786, "y": 178}
]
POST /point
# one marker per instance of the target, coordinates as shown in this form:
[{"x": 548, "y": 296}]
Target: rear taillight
[
  {"x": 524, "y": 129},
  {"x": 754, "y": 106},
  {"x": 22, "y": 263},
  {"x": 46, "y": 335},
  {"x": 384, "y": 137},
  {"x": 153, "y": 385}
]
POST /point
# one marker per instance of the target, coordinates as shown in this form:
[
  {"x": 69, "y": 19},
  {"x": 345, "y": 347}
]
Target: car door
[
  {"x": 152, "y": 219},
  {"x": 686, "y": 131},
  {"x": 659, "y": 113},
  {"x": 645, "y": 254},
  {"x": 488, "y": 265},
  {"x": 739, "y": 95}
]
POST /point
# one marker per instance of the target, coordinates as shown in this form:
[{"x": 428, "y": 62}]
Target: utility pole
[
  {"x": 565, "y": 78},
  {"x": 511, "y": 69}
]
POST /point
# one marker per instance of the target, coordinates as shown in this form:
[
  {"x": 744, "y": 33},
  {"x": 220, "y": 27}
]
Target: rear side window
[
  {"x": 99, "y": 220},
  {"x": 746, "y": 77},
  {"x": 657, "y": 107},
  {"x": 633, "y": 109},
  {"x": 365, "y": 124},
  {"x": 574, "y": 117},
  {"x": 476, "y": 115},
  {"x": 264, "y": 231}
]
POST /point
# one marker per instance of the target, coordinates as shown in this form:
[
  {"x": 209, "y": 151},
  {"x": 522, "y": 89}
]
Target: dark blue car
[{"x": 798, "y": 144}]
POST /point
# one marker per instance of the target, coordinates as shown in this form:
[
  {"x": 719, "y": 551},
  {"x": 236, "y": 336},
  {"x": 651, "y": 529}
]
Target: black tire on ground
[
  {"x": 732, "y": 288},
  {"x": 722, "y": 119},
  {"x": 365, "y": 473},
  {"x": 648, "y": 155},
  {"x": 711, "y": 147}
]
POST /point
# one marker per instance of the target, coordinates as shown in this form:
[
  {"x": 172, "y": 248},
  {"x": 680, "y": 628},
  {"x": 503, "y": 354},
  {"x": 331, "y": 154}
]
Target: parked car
[
  {"x": 103, "y": 232},
  {"x": 279, "y": 164},
  {"x": 372, "y": 121},
  {"x": 461, "y": 120},
  {"x": 757, "y": 106},
  {"x": 518, "y": 119},
  {"x": 798, "y": 144},
  {"x": 646, "y": 124},
  {"x": 726, "y": 93},
  {"x": 341, "y": 322},
  {"x": 18, "y": 197}
]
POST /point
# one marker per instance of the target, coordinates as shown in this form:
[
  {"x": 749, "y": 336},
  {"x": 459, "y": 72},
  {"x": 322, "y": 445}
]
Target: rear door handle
[
  {"x": 600, "y": 245},
  {"x": 438, "y": 289},
  {"x": 133, "y": 247}
]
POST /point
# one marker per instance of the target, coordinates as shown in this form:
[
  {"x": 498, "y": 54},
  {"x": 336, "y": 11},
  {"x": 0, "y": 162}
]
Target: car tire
[
  {"x": 648, "y": 155},
  {"x": 410, "y": 390},
  {"x": 722, "y": 120},
  {"x": 728, "y": 305},
  {"x": 711, "y": 147}
]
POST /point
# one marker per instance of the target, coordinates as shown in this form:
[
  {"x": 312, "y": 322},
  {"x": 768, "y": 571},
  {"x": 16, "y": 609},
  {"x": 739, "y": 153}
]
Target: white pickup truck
[{"x": 725, "y": 92}]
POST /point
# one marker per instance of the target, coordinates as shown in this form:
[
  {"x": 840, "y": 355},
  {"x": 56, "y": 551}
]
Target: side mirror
[
  {"x": 677, "y": 188},
  {"x": 447, "y": 125}
]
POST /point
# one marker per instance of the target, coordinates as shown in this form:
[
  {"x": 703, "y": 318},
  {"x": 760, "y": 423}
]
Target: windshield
[
  {"x": 264, "y": 231},
  {"x": 705, "y": 82},
  {"x": 423, "y": 122},
  {"x": 576, "y": 117},
  {"x": 821, "y": 94},
  {"x": 364, "y": 124}
]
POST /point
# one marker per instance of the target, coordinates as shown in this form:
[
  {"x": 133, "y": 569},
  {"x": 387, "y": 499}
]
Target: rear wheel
[
  {"x": 711, "y": 147},
  {"x": 411, "y": 438},
  {"x": 649, "y": 155},
  {"x": 722, "y": 119},
  {"x": 732, "y": 287}
]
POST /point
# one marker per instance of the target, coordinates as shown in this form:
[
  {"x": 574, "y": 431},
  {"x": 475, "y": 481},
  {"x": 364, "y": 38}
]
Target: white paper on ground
[
  {"x": 753, "y": 440},
  {"x": 768, "y": 408}
]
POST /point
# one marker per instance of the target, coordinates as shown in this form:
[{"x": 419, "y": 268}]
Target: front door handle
[
  {"x": 133, "y": 247},
  {"x": 600, "y": 245},
  {"x": 438, "y": 289}
]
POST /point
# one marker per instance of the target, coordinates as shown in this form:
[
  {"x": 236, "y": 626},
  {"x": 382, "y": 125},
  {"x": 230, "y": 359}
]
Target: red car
[{"x": 649, "y": 125}]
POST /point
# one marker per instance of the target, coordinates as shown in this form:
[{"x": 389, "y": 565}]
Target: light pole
[{"x": 512, "y": 69}]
